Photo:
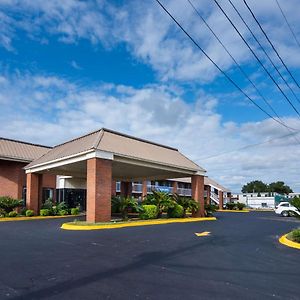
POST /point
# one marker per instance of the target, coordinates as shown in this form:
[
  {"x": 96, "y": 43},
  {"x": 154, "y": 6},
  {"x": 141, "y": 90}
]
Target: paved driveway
[{"x": 242, "y": 259}]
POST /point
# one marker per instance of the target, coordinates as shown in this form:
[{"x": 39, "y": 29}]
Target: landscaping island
[
  {"x": 291, "y": 239},
  {"x": 81, "y": 225},
  {"x": 155, "y": 209}
]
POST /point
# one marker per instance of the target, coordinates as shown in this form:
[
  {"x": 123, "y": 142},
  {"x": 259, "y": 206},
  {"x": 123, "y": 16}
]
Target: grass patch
[
  {"x": 120, "y": 221},
  {"x": 82, "y": 225},
  {"x": 294, "y": 236}
]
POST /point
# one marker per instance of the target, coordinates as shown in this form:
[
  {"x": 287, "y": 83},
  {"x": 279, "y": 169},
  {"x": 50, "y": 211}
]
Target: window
[
  {"x": 24, "y": 193},
  {"x": 264, "y": 204},
  {"x": 47, "y": 194}
]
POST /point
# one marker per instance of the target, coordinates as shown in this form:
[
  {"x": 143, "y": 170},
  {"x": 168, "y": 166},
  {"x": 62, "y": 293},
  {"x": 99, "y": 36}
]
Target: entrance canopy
[{"x": 132, "y": 158}]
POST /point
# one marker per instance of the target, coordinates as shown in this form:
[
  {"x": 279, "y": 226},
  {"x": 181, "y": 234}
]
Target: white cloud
[
  {"x": 149, "y": 33},
  {"x": 75, "y": 65},
  {"x": 50, "y": 110}
]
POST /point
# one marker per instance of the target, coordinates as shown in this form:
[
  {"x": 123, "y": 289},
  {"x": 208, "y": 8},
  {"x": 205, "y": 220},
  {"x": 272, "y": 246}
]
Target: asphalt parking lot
[{"x": 240, "y": 259}]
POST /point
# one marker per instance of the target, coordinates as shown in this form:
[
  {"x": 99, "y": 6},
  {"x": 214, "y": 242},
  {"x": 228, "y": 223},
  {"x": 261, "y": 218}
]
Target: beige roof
[
  {"x": 20, "y": 151},
  {"x": 120, "y": 145},
  {"x": 207, "y": 181}
]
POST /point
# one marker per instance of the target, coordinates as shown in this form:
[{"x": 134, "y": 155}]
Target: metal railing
[
  {"x": 137, "y": 187},
  {"x": 214, "y": 197},
  {"x": 184, "y": 192},
  {"x": 161, "y": 188}
]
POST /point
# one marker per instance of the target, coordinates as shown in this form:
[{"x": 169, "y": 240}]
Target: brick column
[
  {"x": 144, "y": 189},
  {"x": 99, "y": 181},
  {"x": 208, "y": 195},
  {"x": 126, "y": 189},
  {"x": 175, "y": 187},
  {"x": 221, "y": 201},
  {"x": 33, "y": 185},
  {"x": 113, "y": 188},
  {"x": 198, "y": 194}
]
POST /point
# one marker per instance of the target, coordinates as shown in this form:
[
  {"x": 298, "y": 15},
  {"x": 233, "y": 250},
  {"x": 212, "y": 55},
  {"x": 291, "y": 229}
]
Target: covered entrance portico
[{"x": 105, "y": 156}]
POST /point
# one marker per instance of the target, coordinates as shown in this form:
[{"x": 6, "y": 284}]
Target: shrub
[
  {"x": 48, "y": 204},
  {"x": 2, "y": 213},
  {"x": 75, "y": 211},
  {"x": 23, "y": 211},
  {"x": 149, "y": 212},
  {"x": 210, "y": 209},
  {"x": 230, "y": 205},
  {"x": 62, "y": 206},
  {"x": 162, "y": 200},
  {"x": 45, "y": 212},
  {"x": 295, "y": 235},
  {"x": 123, "y": 204},
  {"x": 176, "y": 211},
  {"x": 12, "y": 214},
  {"x": 54, "y": 210},
  {"x": 29, "y": 213},
  {"x": 240, "y": 206},
  {"x": 186, "y": 202},
  {"x": 8, "y": 204},
  {"x": 115, "y": 204},
  {"x": 296, "y": 202},
  {"x": 63, "y": 212}
]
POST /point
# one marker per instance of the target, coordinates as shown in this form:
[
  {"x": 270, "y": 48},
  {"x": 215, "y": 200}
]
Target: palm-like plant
[
  {"x": 123, "y": 204},
  {"x": 162, "y": 200},
  {"x": 186, "y": 203}
]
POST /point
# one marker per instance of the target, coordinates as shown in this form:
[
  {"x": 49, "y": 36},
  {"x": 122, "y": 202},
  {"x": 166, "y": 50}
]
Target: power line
[
  {"x": 288, "y": 24},
  {"x": 263, "y": 49},
  {"x": 234, "y": 60},
  {"x": 248, "y": 146},
  {"x": 261, "y": 28},
  {"x": 223, "y": 72},
  {"x": 257, "y": 58}
]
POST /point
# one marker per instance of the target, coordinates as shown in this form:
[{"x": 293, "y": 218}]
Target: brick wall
[
  {"x": 99, "y": 181},
  {"x": 13, "y": 179}
]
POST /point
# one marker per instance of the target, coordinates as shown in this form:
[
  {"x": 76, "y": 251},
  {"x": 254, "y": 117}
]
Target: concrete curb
[
  {"x": 70, "y": 226},
  {"x": 285, "y": 241}
]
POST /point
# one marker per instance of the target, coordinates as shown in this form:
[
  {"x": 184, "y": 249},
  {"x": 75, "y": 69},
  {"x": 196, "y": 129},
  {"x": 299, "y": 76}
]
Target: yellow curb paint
[
  {"x": 285, "y": 241},
  {"x": 234, "y": 211},
  {"x": 33, "y": 218},
  {"x": 70, "y": 226},
  {"x": 204, "y": 233}
]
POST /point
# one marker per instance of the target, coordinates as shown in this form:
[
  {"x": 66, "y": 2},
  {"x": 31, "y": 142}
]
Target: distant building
[
  {"x": 293, "y": 195},
  {"x": 262, "y": 200}
]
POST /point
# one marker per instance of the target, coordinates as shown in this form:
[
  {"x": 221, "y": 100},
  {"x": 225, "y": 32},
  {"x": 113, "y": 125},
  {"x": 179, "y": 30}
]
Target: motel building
[
  {"x": 92, "y": 168},
  {"x": 72, "y": 190},
  {"x": 263, "y": 200}
]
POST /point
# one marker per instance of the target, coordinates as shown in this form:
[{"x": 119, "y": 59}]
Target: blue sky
[{"x": 72, "y": 67}]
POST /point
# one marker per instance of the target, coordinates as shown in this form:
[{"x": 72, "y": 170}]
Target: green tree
[
  {"x": 296, "y": 202},
  {"x": 279, "y": 187},
  {"x": 123, "y": 204},
  {"x": 256, "y": 186},
  {"x": 162, "y": 200},
  {"x": 186, "y": 203}
]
